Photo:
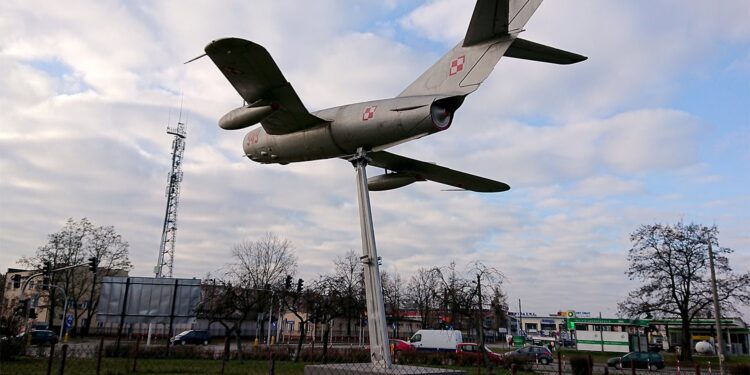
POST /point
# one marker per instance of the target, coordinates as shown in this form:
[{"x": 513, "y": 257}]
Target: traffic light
[
  {"x": 288, "y": 283},
  {"x": 299, "y": 285},
  {"x": 46, "y": 273},
  {"x": 93, "y": 263},
  {"x": 16, "y": 281}
]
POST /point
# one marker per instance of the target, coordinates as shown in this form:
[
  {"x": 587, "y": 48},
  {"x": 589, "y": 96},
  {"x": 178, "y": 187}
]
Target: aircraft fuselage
[{"x": 374, "y": 125}]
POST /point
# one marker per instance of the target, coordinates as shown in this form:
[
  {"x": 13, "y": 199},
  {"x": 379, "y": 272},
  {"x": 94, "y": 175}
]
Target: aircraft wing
[
  {"x": 433, "y": 172},
  {"x": 256, "y": 77}
]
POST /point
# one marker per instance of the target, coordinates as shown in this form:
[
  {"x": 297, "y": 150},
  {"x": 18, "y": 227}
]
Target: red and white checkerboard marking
[
  {"x": 457, "y": 64},
  {"x": 369, "y": 112}
]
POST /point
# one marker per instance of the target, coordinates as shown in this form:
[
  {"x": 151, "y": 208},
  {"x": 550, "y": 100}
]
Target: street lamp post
[{"x": 717, "y": 309}]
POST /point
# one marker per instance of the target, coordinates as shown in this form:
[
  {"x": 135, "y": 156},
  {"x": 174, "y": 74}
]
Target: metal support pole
[
  {"x": 170, "y": 333},
  {"x": 376, "y": 323},
  {"x": 717, "y": 309},
  {"x": 480, "y": 320},
  {"x": 278, "y": 324},
  {"x": 122, "y": 314},
  {"x": 148, "y": 337},
  {"x": 63, "y": 355},
  {"x": 65, "y": 312},
  {"x": 270, "y": 312}
]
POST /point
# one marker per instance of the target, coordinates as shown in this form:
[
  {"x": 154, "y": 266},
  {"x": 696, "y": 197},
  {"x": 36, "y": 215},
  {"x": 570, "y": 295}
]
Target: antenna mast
[{"x": 169, "y": 232}]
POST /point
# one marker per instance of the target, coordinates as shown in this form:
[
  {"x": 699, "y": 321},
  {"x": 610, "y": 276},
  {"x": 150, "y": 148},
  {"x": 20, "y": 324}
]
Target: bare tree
[
  {"x": 672, "y": 263},
  {"x": 499, "y": 307},
  {"x": 74, "y": 244},
  {"x": 63, "y": 248},
  {"x": 301, "y": 303},
  {"x": 327, "y": 306},
  {"x": 111, "y": 252},
  {"x": 492, "y": 278},
  {"x": 259, "y": 268},
  {"x": 224, "y": 303},
  {"x": 393, "y": 295},
  {"x": 458, "y": 296},
  {"x": 349, "y": 282},
  {"x": 422, "y": 294},
  {"x": 263, "y": 262}
]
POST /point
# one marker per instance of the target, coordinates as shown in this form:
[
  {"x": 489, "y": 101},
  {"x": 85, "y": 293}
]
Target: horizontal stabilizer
[
  {"x": 433, "y": 172},
  {"x": 527, "y": 50}
]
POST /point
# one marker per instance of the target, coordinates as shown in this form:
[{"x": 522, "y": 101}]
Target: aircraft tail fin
[
  {"x": 460, "y": 71},
  {"x": 491, "y": 32},
  {"x": 493, "y": 18}
]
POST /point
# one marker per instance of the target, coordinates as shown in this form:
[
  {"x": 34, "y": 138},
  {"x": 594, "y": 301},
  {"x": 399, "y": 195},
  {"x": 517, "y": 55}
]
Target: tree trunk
[
  {"x": 75, "y": 329},
  {"x": 302, "y": 326},
  {"x": 326, "y": 331},
  {"x": 52, "y": 295},
  {"x": 686, "y": 353},
  {"x": 228, "y": 334},
  {"x": 239, "y": 343},
  {"x": 90, "y": 308}
]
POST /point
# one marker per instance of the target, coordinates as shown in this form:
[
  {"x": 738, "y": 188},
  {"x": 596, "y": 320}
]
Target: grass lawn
[
  {"x": 116, "y": 366},
  {"x": 112, "y": 366},
  {"x": 670, "y": 359}
]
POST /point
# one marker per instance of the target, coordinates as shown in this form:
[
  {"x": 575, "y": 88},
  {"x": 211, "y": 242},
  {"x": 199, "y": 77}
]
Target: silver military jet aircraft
[{"x": 290, "y": 133}]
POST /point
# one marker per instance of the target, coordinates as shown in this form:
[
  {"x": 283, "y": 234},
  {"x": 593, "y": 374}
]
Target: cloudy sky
[{"x": 654, "y": 127}]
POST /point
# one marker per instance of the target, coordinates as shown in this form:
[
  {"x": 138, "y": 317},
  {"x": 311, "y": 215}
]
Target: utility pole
[
  {"x": 480, "y": 319},
  {"x": 717, "y": 309},
  {"x": 520, "y": 320}
]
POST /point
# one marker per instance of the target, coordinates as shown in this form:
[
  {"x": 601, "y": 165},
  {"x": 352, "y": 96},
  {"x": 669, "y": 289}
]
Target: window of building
[{"x": 548, "y": 326}]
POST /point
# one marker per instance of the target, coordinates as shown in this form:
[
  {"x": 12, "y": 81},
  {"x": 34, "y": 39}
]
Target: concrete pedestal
[{"x": 370, "y": 369}]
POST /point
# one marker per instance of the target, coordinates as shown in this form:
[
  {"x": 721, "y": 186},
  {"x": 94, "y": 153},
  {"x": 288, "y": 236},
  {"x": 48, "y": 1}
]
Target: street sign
[{"x": 68, "y": 321}]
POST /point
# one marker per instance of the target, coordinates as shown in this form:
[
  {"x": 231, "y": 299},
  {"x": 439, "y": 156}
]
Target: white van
[{"x": 436, "y": 340}]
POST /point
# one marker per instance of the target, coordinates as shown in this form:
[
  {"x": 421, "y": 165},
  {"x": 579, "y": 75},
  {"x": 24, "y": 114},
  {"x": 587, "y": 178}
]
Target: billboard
[{"x": 148, "y": 300}]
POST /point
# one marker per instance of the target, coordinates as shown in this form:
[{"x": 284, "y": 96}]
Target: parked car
[
  {"x": 470, "y": 350},
  {"x": 192, "y": 337},
  {"x": 533, "y": 353},
  {"x": 40, "y": 337},
  {"x": 651, "y": 361},
  {"x": 401, "y": 346}
]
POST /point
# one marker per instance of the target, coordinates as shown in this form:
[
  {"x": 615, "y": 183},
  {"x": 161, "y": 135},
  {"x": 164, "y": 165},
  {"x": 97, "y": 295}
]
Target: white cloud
[
  {"x": 440, "y": 20},
  {"x": 608, "y": 185}
]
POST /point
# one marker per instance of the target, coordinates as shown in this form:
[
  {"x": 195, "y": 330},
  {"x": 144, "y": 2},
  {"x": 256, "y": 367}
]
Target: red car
[
  {"x": 470, "y": 350},
  {"x": 400, "y": 346}
]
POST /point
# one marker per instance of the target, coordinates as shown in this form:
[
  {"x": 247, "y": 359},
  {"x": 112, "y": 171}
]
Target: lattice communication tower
[{"x": 169, "y": 232}]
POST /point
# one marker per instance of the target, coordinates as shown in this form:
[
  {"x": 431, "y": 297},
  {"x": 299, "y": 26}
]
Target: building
[
  {"x": 77, "y": 286},
  {"x": 735, "y": 332},
  {"x": 12, "y": 294}
]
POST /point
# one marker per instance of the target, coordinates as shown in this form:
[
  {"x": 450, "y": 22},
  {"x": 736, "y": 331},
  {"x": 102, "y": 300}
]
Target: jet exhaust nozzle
[
  {"x": 243, "y": 117},
  {"x": 390, "y": 181}
]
